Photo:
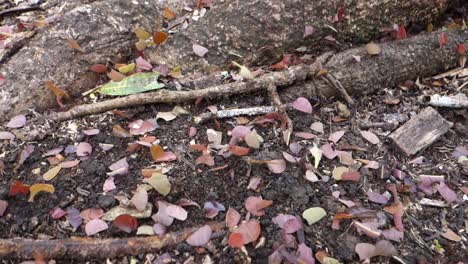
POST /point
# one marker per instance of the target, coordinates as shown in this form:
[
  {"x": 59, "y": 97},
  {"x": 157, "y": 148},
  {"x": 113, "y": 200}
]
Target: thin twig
[
  {"x": 16, "y": 10},
  {"x": 228, "y": 113},
  {"x": 282, "y": 110},
  {"x": 87, "y": 247},
  {"x": 339, "y": 87},
  {"x": 180, "y": 156}
]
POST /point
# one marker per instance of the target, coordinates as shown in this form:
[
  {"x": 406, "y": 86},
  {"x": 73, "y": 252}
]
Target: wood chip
[{"x": 420, "y": 131}]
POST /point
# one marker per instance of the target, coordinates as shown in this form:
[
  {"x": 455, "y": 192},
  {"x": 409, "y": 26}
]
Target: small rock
[
  {"x": 106, "y": 201},
  {"x": 342, "y": 110}
]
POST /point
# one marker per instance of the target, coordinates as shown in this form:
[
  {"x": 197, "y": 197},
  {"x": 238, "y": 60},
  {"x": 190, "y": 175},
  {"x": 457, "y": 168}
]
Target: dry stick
[
  {"x": 86, "y": 248},
  {"x": 227, "y": 113},
  {"x": 339, "y": 87},
  {"x": 282, "y": 110},
  {"x": 283, "y": 78}
]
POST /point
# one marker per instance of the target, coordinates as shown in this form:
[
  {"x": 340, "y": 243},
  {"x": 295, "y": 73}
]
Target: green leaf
[
  {"x": 137, "y": 83},
  {"x": 314, "y": 214}
]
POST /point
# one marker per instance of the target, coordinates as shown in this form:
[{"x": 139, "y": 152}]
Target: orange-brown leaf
[
  {"x": 60, "y": 93},
  {"x": 39, "y": 187},
  {"x": 98, "y": 68},
  {"x": 74, "y": 45},
  {"x": 168, "y": 13},
  {"x": 156, "y": 152},
  {"x": 238, "y": 151},
  {"x": 159, "y": 37},
  {"x": 115, "y": 76}
]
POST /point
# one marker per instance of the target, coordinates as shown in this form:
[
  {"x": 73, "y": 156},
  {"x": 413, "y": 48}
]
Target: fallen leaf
[
  {"x": 442, "y": 39},
  {"x": 5, "y": 135},
  {"x": 18, "y": 187},
  {"x": 156, "y": 152},
  {"x": 212, "y": 208},
  {"x": 192, "y": 132},
  {"x": 393, "y": 234},
  {"x": 3, "y": 207},
  {"x": 74, "y": 45},
  {"x": 91, "y": 214},
  {"x": 73, "y": 217},
  {"x": 160, "y": 183},
  {"x": 308, "y": 30},
  {"x": 168, "y": 13},
  {"x": 365, "y": 251},
  {"x": 371, "y": 137},
  {"x": 136, "y": 83},
  {"x": 289, "y": 223},
  {"x": 199, "y": 50},
  {"x": 369, "y": 231},
  {"x": 159, "y": 229},
  {"x": 247, "y": 232},
  {"x": 232, "y": 217},
  {"x": 448, "y": 194},
  {"x": 305, "y": 254},
  {"x": 98, "y": 68},
  {"x": 140, "y": 198},
  {"x": 200, "y": 237},
  {"x": 338, "y": 172},
  {"x": 317, "y": 127},
  {"x": 244, "y": 71},
  {"x": 159, "y": 37},
  {"x": 95, "y": 226},
  {"x": 449, "y": 234},
  {"x": 50, "y": 174},
  {"x": 377, "y": 197},
  {"x": 277, "y": 166},
  {"x": 25, "y": 153},
  {"x": 336, "y": 136},
  {"x": 17, "y": 121},
  {"x": 126, "y": 223},
  {"x": 55, "y": 213},
  {"x": 305, "y": 135},
  {"x": 84, "y": 149},
  {"x": 166, "y": 116},
  {"x": 373, "y": 49},
  {"x": 141, "y": 34},
  {"x": 91, "y": 132},
  {"x": 69, "y": 164},
  {"x": 303, "y": 105},
  {"x": 145, "y": 230},
  {"x": 238, "y": 151},
  {"x": 255, "y": 205},
  {"x": 167, "y": 156},
  {"x": 401, "y": 32},
  {"x": 161, "y": 216},
  {"x": 176, "y": 212},
  {"x": 115, "y": 76},
  {"x": 109, "y": 184},
  {"x": 317, "y": 154},
  {"x": 39, "y": 187},
  {"x": 119, "y": 167},
  {"x": 314, "y": 214},
  {"x": 351, "y": 176},
  {"x": 143, "y": 64},
  {"x": 252, "y": 140}
]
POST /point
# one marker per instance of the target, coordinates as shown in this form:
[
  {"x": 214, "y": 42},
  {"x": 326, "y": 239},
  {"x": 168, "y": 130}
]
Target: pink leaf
[
  {"x": 277, "y": 166},
  {"x": 53, "y": 152},
  {"x": 167, "y": 156},
  {"x": 176, "y": 212},
  {"x": 232, "y": 217},
  {"x": 310, "y": 176},
  {"x": 140, "y": 127},
  {"x": 69, "y": 164},
  {"x": 55, "y": 213},
  {"x": 308, "y": 30},
  {"x": 303, "y": 105},
  {"x": 328, "y": 151},
  {"x": 397, "y": 221},
  {"x": 143, "y": 64},
  {"x": 336, "y": 136},
  {"x": 25, "y": 153},
  {"x": 199, "y": 50},
  {"x": 192, "y": 131},
  {"x": 5, "y": 135},
  {"x": 17, "y": 121},
  {"x": 73, "y": 217},
  {"x": 317, "y": 127},
  {"x": 159, "y": 229},
  {"x": 448, "y": 194},
  {"x": 140, "y": 199},
  {"x": 295, "y": 148},
  {"x": 3, "y": 207},
  {"x": 377, "y": 197},
  {"x": 305, "y": 254},
  {"x": 162, "y": 216},
  {"x": 206, "y": 159},
  {"x": 393, "y": 234},
  {"x": 254, "y": 182},
  {"x": 255, "y": 205},
  {"x": 240, "y": 132},
  {"x": 305, "y": 135},
  {"x": 351, "y": 176},
  {"x": 369, "y": 231},
  {"x": 426, "y": 182},
  {"x": 365, "y": 250},
  {"x": 84, "y": 149},
  {"x": 91, "y": 132},
  {"x": 244, "y": 234},
  {"x": 200, "y": 237},
  {"x": 105, "y": 147},
  {"x": 119, "y": 167},
  {"x": 91, "y": 214},
  {"x": 212, "y": 208},
  {"x": 95, "y": 226},
  {"x": 109, "y": 184},
  {"x": 371, "y": 137},
  {"x": 372, "y": 165},
  {"x": 384, "y": 248},
  {"x": 290, "y": 157},
  {"x": 289, "y": 223}
]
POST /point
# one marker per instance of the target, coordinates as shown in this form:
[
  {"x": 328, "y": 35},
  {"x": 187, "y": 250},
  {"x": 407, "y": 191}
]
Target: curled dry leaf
[
  {"x": 255, "y": 205},
  {"x": 39, "y": 187},
  {"x": 95, "y": 226}
]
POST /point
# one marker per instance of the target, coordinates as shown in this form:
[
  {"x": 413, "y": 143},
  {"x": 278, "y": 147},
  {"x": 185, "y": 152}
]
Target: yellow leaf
[
  {"x": 39, "y": 187},
  {"x": 244, "y": 71},
  {"x": 168, "y": 14},
  {"x": 156, "y": 152},
  {"x": 160, "y": 183},
  {"x": 74, "y": 45},
  {"x": 141, "y": 45},
  {"x": 127, "y": 68},
  {"x": 141, "y": 34},
  {"x": 50, "y": 174}
]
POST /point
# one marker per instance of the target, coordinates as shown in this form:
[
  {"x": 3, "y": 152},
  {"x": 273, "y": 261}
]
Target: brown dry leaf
[
  {"x": 391, "y": 101},
  {"x": 242, "y": 120},
  {"x": 60, "y": 93},
  {"x": 146, "y": 173},
  {"x": 373, "y": 49},
  {"x": 429, "y": 27},
  {"x": 168, "y": 13},
  {"x": 39, "y": 187},
  {"x": 450, "y": 235},
  {"x": 140, "y": 45},
  {"x": 159, "y": 37},
  {"x": 157, "y": 152},
  {"x": 74, "y": 45},
  {"x": 115, "y": 75},
  {"x": 50, "y": 174}
]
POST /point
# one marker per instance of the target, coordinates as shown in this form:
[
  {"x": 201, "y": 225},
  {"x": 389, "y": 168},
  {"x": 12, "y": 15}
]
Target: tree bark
[{"x": 259, "y": 32}]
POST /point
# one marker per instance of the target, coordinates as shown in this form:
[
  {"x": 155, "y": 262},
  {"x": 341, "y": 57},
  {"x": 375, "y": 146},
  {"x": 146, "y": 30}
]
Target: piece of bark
[
  {"x": 86, "y": 247},
  {"x": 398, "y": 61},
  {"x": 260, "y": 32},
  {"x": 420, "y": 131}
]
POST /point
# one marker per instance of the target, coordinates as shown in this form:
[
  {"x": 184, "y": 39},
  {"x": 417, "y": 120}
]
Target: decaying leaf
[
  {"x": 160, "y": 183},
  {"x": 137, "y": 83},
  {"x": 39, "y": 187},
  {"x": 50, "y": 174}
]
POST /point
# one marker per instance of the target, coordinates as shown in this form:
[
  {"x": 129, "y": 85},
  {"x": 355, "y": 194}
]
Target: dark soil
[{"x": 290, "y": 191}]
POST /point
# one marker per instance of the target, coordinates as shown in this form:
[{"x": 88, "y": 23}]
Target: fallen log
[
  {"x": 398, "y": 61},
  {"x": 88, "y": 248}
]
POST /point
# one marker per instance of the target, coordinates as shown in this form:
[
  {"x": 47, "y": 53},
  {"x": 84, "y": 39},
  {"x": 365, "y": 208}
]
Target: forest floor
[{"x": 81, "y": 187}]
